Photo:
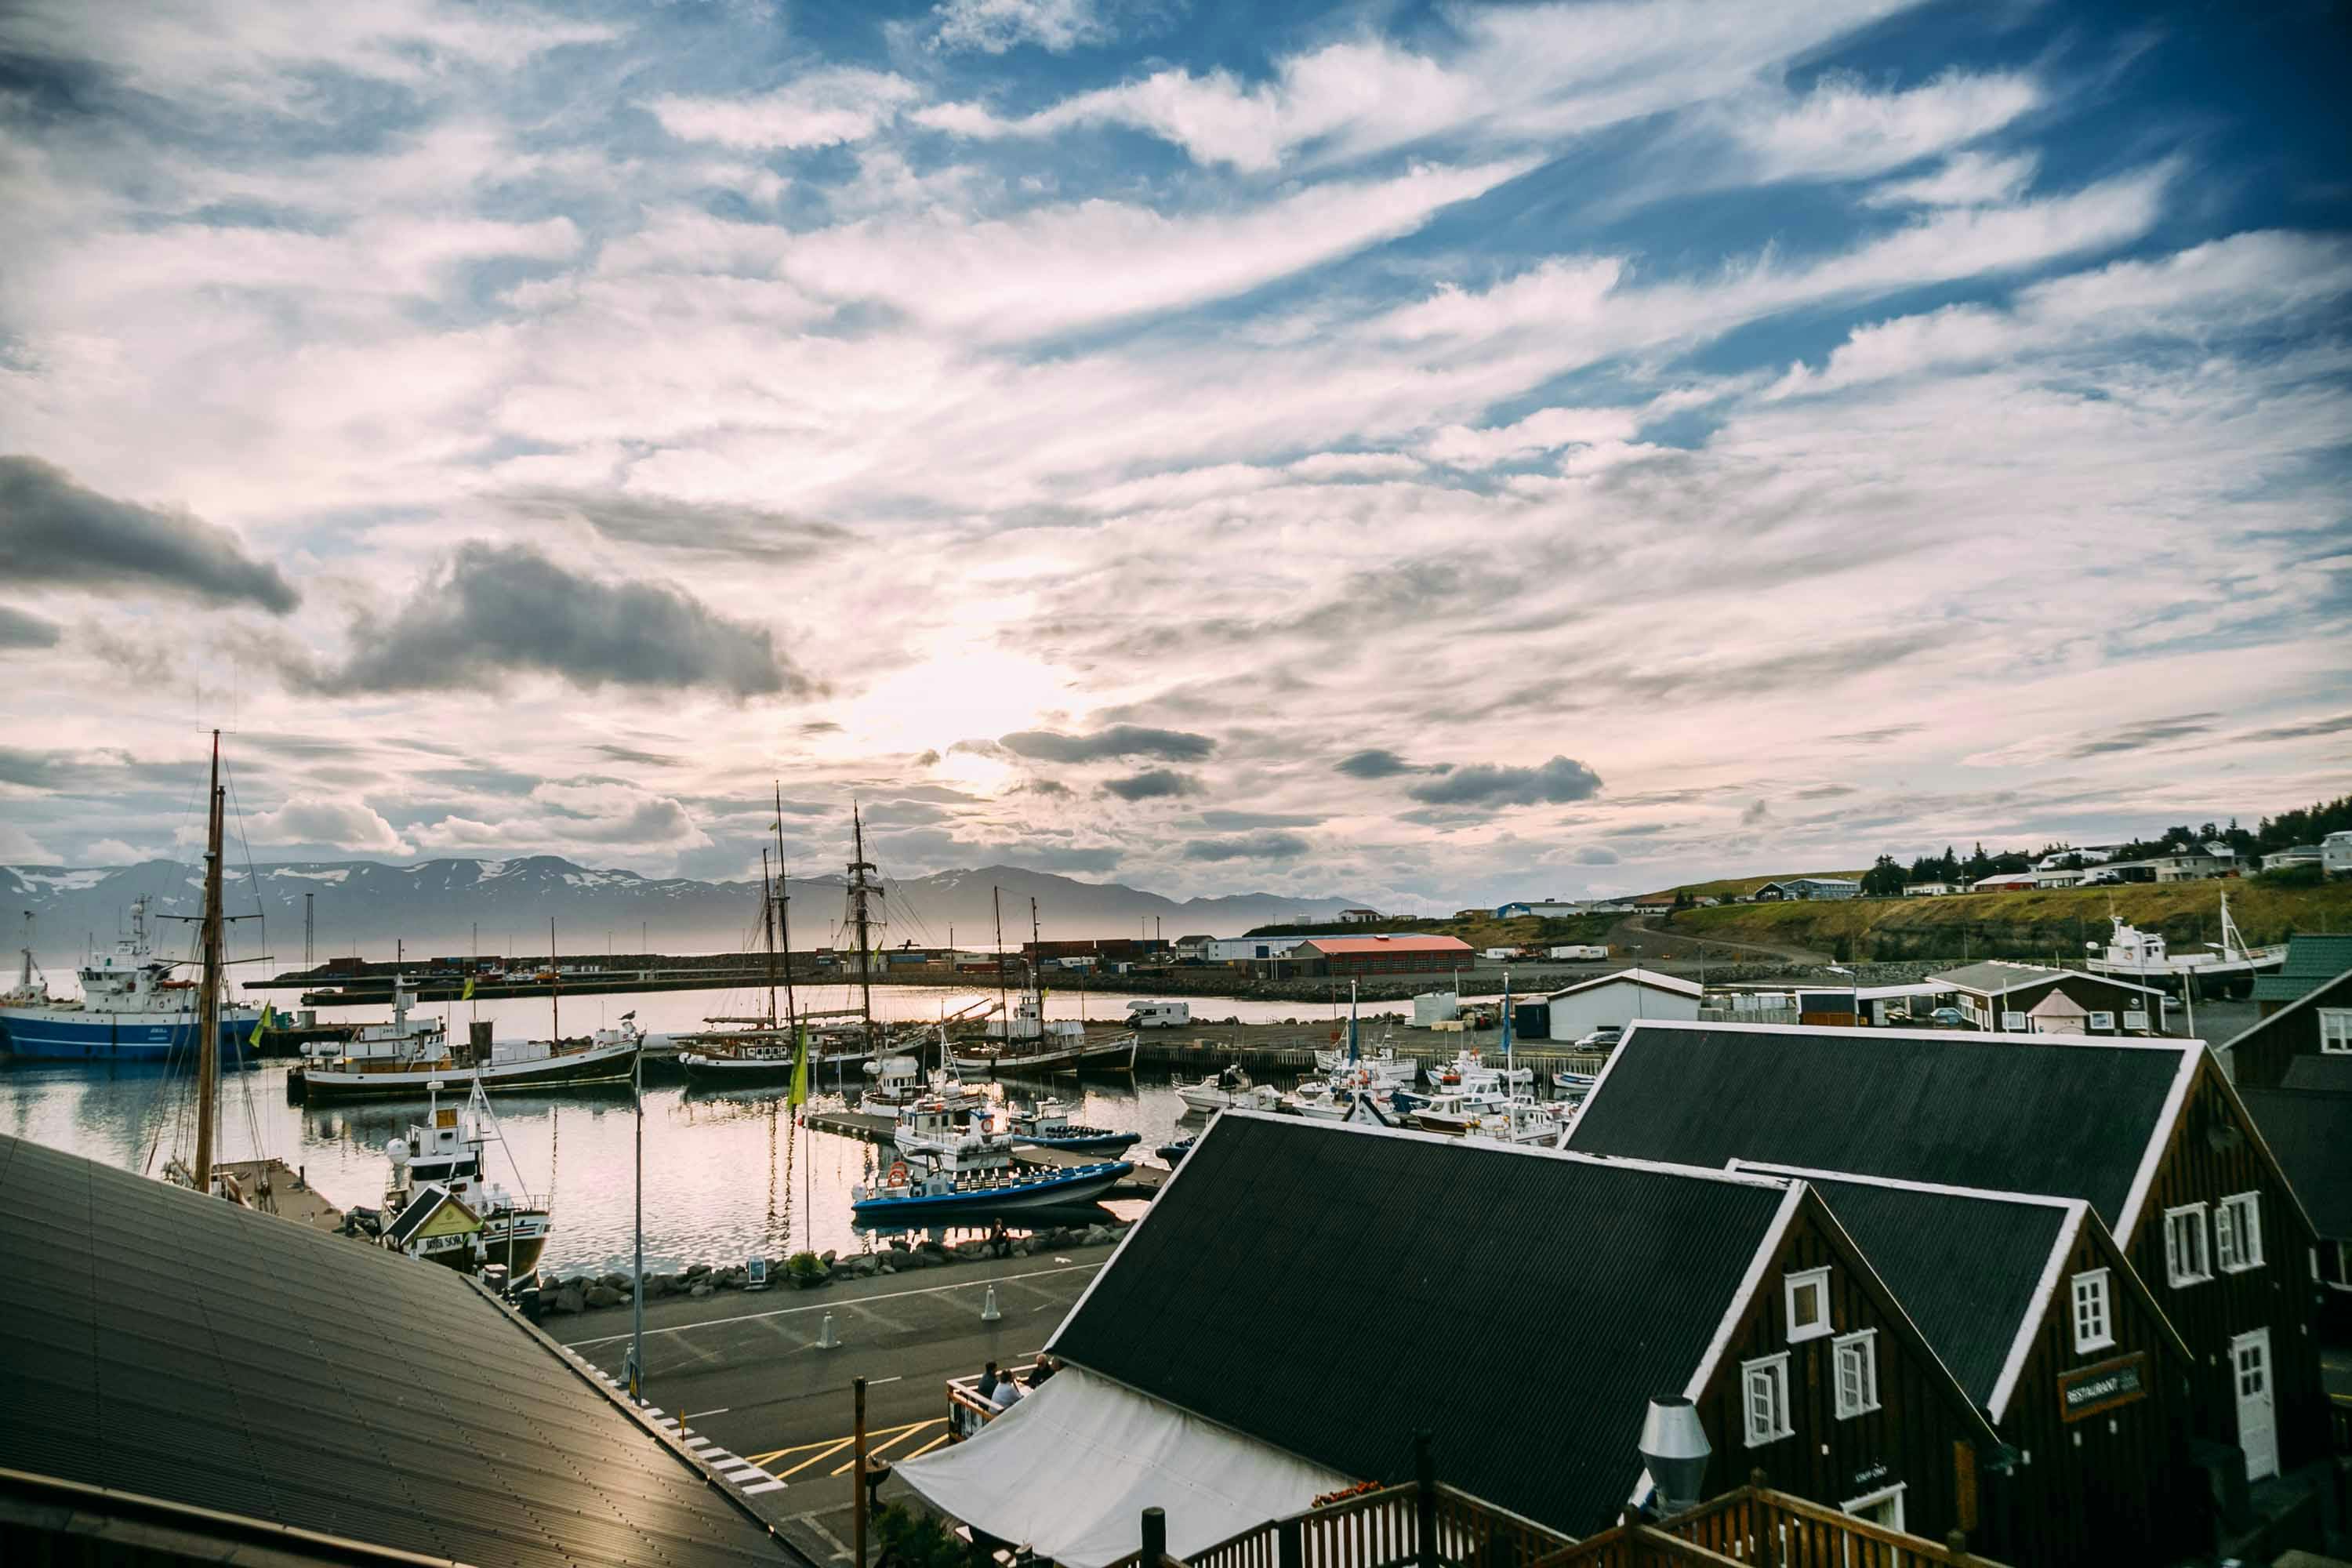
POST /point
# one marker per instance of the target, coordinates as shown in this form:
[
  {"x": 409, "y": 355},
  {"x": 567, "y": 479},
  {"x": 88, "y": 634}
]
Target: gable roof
[
  {"x": 1637, "y": 976},
  {"x": 1291, "y": 1273},
  {"x": 1997, "y": 976},
  {"x": 2310, "y": 1131},
  {"x": 168, "y": 1344},
  {"x": 2312, "y": 958},
  {"x": 2072, "y": 1116},
  {"x": 1330, "y": 946},
  {"x": 2314, "y": 992},
  {"x": 428, "y": 1200}
]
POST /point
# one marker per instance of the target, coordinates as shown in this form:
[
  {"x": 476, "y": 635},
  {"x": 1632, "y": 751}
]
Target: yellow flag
[
  {"x": 468, "y": 996},
  {"x": 261, "y": 1025},
  {"x": 800, "y": 1068}
]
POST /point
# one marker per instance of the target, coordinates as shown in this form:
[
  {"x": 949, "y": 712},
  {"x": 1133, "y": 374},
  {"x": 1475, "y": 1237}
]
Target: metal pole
[
  {"x": 858, "y": 1491},
  {"x": 1155, "y": 1538},
  {"x": 1424, "y": 1501},
  {"x": 637, "y": 1291}
]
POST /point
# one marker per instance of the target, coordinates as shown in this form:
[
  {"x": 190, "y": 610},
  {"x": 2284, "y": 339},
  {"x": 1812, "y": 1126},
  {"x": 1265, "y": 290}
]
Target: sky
[{"x": 1436, "y": 454}]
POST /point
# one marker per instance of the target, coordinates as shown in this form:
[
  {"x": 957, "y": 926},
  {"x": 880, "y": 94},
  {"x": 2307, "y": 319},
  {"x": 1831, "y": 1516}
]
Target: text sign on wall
[{"x": 2087, "y": 1390}]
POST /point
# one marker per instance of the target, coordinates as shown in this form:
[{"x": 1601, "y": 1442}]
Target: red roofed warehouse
[{"x": 1381, "y": 955}]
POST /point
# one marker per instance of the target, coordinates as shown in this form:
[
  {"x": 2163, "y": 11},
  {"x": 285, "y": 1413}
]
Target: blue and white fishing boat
[
  {"x": 131, "y": 1010},
  {"x": 981, "y": 1186},
  {"x": 1048, "y": 1125}
]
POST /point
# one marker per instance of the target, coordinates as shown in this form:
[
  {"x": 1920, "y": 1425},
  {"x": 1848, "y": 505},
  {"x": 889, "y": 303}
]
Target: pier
[{"x": 272, "y": 1186}]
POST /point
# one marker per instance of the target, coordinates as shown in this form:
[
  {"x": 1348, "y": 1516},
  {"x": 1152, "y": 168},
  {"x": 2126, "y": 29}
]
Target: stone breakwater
[{"x": 597, "y": 1293}]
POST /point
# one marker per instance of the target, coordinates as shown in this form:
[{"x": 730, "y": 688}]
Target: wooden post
[
  {"x": 1155, "y": 1537},
  {"x": 1955, "y": 1545},
  {"x": 1289, "y": 1543},
  {"x": 857, "y": 1490},
  {"x": 1424, "y": 1501},
  {"x": 1760, "y": 1520}
]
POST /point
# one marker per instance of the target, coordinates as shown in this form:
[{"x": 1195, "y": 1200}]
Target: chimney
[{"x": 1674, "y": 1448}]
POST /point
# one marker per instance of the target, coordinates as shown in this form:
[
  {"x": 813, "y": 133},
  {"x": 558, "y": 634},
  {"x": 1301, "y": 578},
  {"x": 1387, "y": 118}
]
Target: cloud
[
  {"x": 56, "y": 530},
  {"x": 1117, "y": 741},
  {"x": 2302, "y": 730},
  {"x": 710, "y": 527},
  {"x": 1756, "y": 812},
  {"x": 1157, "y": 784},
  {"x": 1547, "y": 430},
  {"x": 992, "y": 26},
  {"x": 1557, "y": 781},
  {"x": 1375, "y": 764},
  {"x": 109, "y": 852},
  {"x": 1963, "y": 180},
  {"x": 1840, "y": 129},
  {"x": 22, "y": 848},
  {"x": 632, "y": 755},
  {"x": 1242, "y": 821},
  {"x": 18, "y": 629},
  {"x": 820, "y": 109},
  {"x": 499, "y": 608},
  {"x": 1248, "y": 846},
  {"x": 2146, "y": 733},
  {"x": 1596, "y": 855},
  {"x": 348, "y": 824}
]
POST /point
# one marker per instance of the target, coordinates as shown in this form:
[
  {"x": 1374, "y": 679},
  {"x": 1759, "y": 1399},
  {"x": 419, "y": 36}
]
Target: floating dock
[{"x": 1145, "y": 1182}]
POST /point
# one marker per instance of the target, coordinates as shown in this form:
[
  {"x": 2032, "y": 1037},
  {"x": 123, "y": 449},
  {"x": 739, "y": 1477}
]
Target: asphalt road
[{"x": 745, "y": 1371}]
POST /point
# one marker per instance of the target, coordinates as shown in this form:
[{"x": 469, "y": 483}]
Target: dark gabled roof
[
  {"x": 427, "y": 1201},
  {"x": 164, "y": 1343},
  {"x": 2315, "y": 991},
  {"x": 2312, "y": 961},
  {"x": 1971, "y": 1267},
  {"x": 1330, "y": 1290},
  {"x": 2070, "y": 1116},
  {"x": 2310, "y": 1130},
  {"x": 2321, "y": 1072}
]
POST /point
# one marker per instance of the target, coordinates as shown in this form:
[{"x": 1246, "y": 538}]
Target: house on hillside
[
  {"x": 1543, "y": 909},
  {"x": 1191, "y": 949},
  {"x": 1360, "y": 917},
  {"x": 2293, "y": 855},
  {"x": 2014, "y": 998},
  {"x": 1809, "y": 888},
  {"x": 2005, "y": 882},
  {"x": 1929, "y": 889},
  {"x": 1211, "y": 1329},
  {"x": 2149, "y": 1133},
  {"x": 2057, "y": 1339},
  {"x": 1619, "y": 999}
]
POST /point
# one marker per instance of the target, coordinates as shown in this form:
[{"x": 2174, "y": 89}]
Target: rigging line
[{"x": 261, "y": 940}]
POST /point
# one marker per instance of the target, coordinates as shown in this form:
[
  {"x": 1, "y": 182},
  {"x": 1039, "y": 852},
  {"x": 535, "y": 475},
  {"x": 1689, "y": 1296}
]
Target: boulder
[
  {"x": 616, "y": 1281},
  {"x": 602, "y": 1295},
  {"x": 568, "y": 1297},
  {"x": 1096, "y": 1236},
  {"x": 970, "y": 1249},
  {"x": 696, "y": 1271},
  {"x": 701, "y": 1289},
  {"x": 829, "y": 1256},
  {"x": 889, "y": 1266},
  {"x": 660, "y": 1284}
]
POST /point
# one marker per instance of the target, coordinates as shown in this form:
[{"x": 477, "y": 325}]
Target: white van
[{"x": 1159, "y": 1015}]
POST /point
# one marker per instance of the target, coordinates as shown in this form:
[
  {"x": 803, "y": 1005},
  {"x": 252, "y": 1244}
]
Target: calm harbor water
[{"x": 716, "y": 1182}]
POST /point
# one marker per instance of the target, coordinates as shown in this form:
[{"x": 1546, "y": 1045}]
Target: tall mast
[
  {"x": 554, "y": 988},
  {"x": 784, "y": 910},
  {"x": 767, "y": 926},
  {"x": 1036, "y": 980},
  {"x": 1003, "y": 1006},
  {"x": 208, "y": 994},
  {"x": 861, "y": 891}
]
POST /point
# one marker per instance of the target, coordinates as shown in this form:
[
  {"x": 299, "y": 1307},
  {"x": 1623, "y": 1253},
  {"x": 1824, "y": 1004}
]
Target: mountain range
[{"x": 441, "y": 906}]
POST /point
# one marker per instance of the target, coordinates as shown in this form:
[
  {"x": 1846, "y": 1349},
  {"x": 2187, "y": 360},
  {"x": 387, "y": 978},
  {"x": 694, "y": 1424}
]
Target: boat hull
[
  {"x": 1086, "y": 1144},
  {"x": 703, "y": 1069},
  {"x": 1108, "y": 1056},
  {"x": 1062, "y": 1188},
  {"x": 612, "y": 1065},
  {"x": 40, "y": 1035}
]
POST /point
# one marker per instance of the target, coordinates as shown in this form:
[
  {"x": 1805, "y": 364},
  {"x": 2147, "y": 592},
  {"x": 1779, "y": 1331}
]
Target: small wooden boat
[{"x": 1053, "y": 1053}]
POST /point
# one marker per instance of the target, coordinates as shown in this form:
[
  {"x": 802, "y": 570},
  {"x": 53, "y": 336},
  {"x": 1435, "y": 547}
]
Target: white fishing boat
[
  {"x": 1232, "y": 1087},
  {"x": 1328, "y": 1100},
  {"x": 1456, "y": 1111},
  {"x": 608, "y": 1056},
  {"x": 1518, "y": 1122},
  {"x": 444, "y": 1160},
  {"x": 2141, "y": 955},
  {"x": 1575, "y": 1085},
  {"x": 402, "y": 1036},
  {"x": 1467, "y": 1069},
  {"x": 936, "y": 1128},
  {"x": 1048, "y": 1125},
  {"x": 1060, "y": 1052}
]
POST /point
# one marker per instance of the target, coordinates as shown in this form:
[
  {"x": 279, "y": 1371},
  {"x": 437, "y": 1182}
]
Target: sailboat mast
[
  {"x": 1036, "y": 978},
  {"x": 768, "y": 928},
  {"x": 858, "y": 891},
  {"x": 208, "y": 994},
  {"x": 784, "y": 910},
  {"x": 1003, "y": 1006},
  {"x": 554, "y": 988}
]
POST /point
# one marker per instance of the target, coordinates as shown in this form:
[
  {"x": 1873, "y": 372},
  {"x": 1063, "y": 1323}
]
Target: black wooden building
[
  {"x": 2306, "y": 1044},
  {"x": 2150, "y": 1134},
  {"x": 1330, "y": 1290}
]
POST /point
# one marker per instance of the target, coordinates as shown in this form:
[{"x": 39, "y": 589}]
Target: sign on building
[{"x": 2088, "y": 1390}]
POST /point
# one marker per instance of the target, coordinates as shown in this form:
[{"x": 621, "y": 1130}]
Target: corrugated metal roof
[
  {"x": 2070, "y": 1117},
  {"x": 1966, "y": 1265},
  {"x": 1330, "y": 1289},
  {"x": 2312, "y": 961},
  {"x": 1994, "y": 976},
  {"x": 1331, "y": 945},
  {"x": 177, "y": 1346},
  {"x": 2310, "y": 1130},
  {"x": 1648, "y": 977}
]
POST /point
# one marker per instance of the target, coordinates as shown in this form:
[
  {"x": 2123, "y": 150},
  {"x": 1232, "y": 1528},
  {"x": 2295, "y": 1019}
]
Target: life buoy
[{"x": 898, "y": 1172}]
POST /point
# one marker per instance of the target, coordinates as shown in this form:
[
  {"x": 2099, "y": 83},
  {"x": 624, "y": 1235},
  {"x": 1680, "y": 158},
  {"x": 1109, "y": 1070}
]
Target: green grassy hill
[
  {"x": 2040, "y": 924},
  {"x": 1741, "y": 886}
]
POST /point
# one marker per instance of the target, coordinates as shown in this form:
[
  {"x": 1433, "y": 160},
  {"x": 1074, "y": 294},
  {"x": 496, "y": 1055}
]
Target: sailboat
[
  {"x": 774, "y": 1052},
  {"x": 1035, "y": 1043}
]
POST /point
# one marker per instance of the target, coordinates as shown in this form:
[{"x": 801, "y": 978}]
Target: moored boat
[
  {"x": 131, "y": 1010},
  {"x": 1058, "y": 1052},
  {"x": 609, "y": 1056},
  {"x": 1048, "y": 1125},
  {"x": 1231, "y": 1086},
  {"x": 440, "y": 1204}
]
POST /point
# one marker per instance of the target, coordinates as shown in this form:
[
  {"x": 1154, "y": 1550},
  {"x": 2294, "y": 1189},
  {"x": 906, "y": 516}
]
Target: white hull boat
[{"x": 1021, "y": 1056}]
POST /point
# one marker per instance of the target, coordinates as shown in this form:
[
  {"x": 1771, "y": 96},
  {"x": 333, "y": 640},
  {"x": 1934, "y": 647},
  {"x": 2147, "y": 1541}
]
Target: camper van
[{"x": 1159, "y": 1015}]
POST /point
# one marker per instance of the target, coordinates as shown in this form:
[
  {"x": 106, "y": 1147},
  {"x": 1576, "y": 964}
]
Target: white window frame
[
  {"x": 1855, "y": 1505},
  {"x": 1864, "y": 1342},
  {"x": 2094, "y": 1310},
  {"x": 1774, "y": 1368},
  {"x": 1817, "y": 1279},
  {"x": 2335, "y": 1030},
  {"x": 2237, "y": 1218},
  {"x": 2174, "y": 1270}
]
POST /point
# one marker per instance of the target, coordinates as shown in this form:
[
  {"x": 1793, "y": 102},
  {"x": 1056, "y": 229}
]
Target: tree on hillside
[
  {"x": 1883, "y": 880},
  {"x": 1977, "y": 865},
  {"x": 2303, "y": 826}
]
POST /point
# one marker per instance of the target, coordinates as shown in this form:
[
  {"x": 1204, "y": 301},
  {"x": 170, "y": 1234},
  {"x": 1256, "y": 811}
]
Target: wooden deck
[{"x": 275, "y": 1188}]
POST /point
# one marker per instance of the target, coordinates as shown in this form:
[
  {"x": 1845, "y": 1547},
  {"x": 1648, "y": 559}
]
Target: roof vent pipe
[{"x": 1675, "y": 1448}]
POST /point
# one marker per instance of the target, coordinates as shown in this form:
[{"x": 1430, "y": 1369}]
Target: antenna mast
[
  {"x": 784, "y": 910},
  {"x": 768, "y": 928},
  {"x": 208, "y": 994},
  {"x": 1004, "y": 1005},
  {"x": 861, "y": 893}
]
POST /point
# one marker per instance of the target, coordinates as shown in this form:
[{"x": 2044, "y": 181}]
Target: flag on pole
[
  {"x": 468, "y": 996},
  {"x": 261, "y": 1025},
  {"x": 800, "y": 1068}
]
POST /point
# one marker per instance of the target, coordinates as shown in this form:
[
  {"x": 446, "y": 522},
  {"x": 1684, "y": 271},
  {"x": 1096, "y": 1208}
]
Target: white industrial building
[
  {"x": 1621, "y": 998},
  {"x": 1239, "y": 949}
]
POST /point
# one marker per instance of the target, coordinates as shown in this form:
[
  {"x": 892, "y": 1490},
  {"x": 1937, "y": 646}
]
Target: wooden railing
[
  {"x": 1758, "y": 1526},
  {"x": 1382, "y": 1529}
]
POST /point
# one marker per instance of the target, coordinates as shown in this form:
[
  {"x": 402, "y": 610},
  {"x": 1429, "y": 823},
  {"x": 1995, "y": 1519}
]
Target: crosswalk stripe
[{"x": 766, "y": 1486}]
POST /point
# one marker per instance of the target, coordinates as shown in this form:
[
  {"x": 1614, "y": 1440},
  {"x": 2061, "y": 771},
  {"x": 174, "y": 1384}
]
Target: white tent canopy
[{"x": 1069, "y": 1470}]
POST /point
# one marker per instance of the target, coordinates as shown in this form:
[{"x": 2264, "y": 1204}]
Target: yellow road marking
[
  {"x": 928, "y": 1446},
  {"x": 816, "y": 1459},
  {"x": 873, "y": 1448},
  {"x": 833, "y": 1442}
]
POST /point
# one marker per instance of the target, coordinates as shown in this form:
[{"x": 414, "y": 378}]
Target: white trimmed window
[
  {"x": 2185, "y": 1259},
  {"x": 1766, "y": 1382},
  {"x": 1857, "y": 1373},
  {"x": 2095, "y": 1326},
  {"x": 1807, "y": 1295},
  {"x": 2336, "y": 1029},
  {"x": 2238, "y": 1233}
]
